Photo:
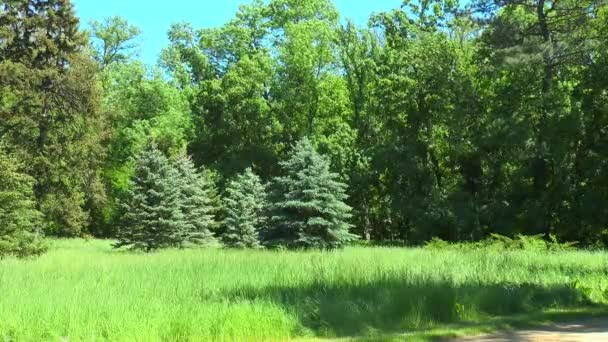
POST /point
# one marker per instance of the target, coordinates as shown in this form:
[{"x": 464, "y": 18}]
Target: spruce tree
[
  {"x": 245, "y": 203},
  {"x": 308, "y": 209},
  {"x": 49, "y": 109},
  {"x": 20, "y": 222},
  {"x": 152, "y": 216},
  {"x": 198, "y": 203}
]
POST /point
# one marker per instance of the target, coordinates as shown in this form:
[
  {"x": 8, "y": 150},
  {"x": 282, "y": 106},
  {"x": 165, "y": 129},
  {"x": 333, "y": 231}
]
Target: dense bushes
[{"x": 500, "y": 242}]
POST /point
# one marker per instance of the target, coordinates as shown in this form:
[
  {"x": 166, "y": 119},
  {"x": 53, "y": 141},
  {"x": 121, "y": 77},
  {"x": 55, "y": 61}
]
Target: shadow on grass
[{"x": 394, "y": 306}]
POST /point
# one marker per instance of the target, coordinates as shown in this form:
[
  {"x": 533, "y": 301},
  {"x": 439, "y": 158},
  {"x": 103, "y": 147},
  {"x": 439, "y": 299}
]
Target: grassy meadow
[{"x": 87, "y": 291}]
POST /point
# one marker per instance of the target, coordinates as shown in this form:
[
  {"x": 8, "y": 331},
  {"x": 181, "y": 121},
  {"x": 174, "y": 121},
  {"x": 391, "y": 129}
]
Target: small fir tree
[
  {"x": 198, "y": 201},
  {"x": 20, "y": 221},
  {"x": 152, "y": 216},
  {"x": 308, "y": 209},
  {"x": 245, "y": 203}
]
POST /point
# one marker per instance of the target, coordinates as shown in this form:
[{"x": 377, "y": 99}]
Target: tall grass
[{"x": 86, "y": 291}]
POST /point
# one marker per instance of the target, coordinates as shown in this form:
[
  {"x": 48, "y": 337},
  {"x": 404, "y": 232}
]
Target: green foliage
[
  {"x": 308, "y": 209},
  {"x": 153, "y": 209},
  {"x": 504, "y": 243},
  {"x": 447, "y": 119},
  {"x": 20, "y": 222},
  {"x": 49, "y": 110},
  {"x": 524, "y": 50},
  {"x": 113, "y": 40},
  {"x": 198, "y": 203},
  {"x": 245, "y": 205},
  {"x": 143, "y": 109}
]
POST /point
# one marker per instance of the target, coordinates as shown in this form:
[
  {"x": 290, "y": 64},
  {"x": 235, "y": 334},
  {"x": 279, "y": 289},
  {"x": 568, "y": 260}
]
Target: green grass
[{"x": 86, "y": 291}]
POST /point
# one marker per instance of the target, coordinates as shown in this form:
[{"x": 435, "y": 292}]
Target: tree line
[{"x": 442, "y": 118}]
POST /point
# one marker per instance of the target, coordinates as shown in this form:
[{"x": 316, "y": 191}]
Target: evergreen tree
[
  {"x": 309, "y": 209},
  {"x": 50, "y": 108},
  {"x": 20, "y": 222},
  {"x": 197, "y": 202},
  {"x": 152, "y": 210},
  {"x": 245, "y": 202}
]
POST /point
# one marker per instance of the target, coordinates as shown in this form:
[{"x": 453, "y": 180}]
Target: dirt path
[{"x": 587, "y": 330}]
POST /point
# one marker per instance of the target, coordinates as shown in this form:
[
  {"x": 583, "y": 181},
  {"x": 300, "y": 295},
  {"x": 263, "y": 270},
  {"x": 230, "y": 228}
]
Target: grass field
[{"x": 86, "y": 291}]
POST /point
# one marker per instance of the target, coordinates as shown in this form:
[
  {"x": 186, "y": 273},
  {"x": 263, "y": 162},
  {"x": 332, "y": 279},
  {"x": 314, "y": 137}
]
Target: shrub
[{"x": 501, "y": 242}]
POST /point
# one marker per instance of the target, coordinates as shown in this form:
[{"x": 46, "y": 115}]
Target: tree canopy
[{"x": 440, "y": 118}]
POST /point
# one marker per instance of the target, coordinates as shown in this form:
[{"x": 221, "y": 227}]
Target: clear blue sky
[{"x": 154, "y": 19}]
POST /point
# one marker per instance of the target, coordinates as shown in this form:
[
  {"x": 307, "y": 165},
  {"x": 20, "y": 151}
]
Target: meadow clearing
[{"x": 84, "y": 290}]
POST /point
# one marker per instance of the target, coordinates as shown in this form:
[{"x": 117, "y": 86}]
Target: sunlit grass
[{"x": 87, "y": 291}]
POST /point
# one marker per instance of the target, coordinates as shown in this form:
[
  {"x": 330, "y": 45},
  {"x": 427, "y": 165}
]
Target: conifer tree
[
  {"x": 152, "y": 210},
  {"x": 308, "y": 209},
  {"x": 20, "y": 222},
  {"x": 50, "y": 109},
  {"x": 198, "y": 203},
  {"x": 245, "y": 203}
]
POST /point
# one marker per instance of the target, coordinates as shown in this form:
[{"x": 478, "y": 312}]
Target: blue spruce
[
  {"x": 308, "y": 209},
  {"x": 245, "y": 202},
  {"x": 152, "y": 216}
]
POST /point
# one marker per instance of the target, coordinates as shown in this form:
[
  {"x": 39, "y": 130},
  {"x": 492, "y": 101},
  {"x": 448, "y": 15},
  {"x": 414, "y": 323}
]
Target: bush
[{"x": 500, "y": 242}]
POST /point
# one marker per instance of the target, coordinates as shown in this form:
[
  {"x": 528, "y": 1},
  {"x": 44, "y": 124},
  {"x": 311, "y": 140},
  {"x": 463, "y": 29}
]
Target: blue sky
[{"x": 154, "y": 19}]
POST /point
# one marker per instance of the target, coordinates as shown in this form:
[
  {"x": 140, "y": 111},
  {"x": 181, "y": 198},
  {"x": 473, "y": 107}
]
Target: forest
[
  {"x": 451, "y": 150},
  {"x": 442, "y": 119}
]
